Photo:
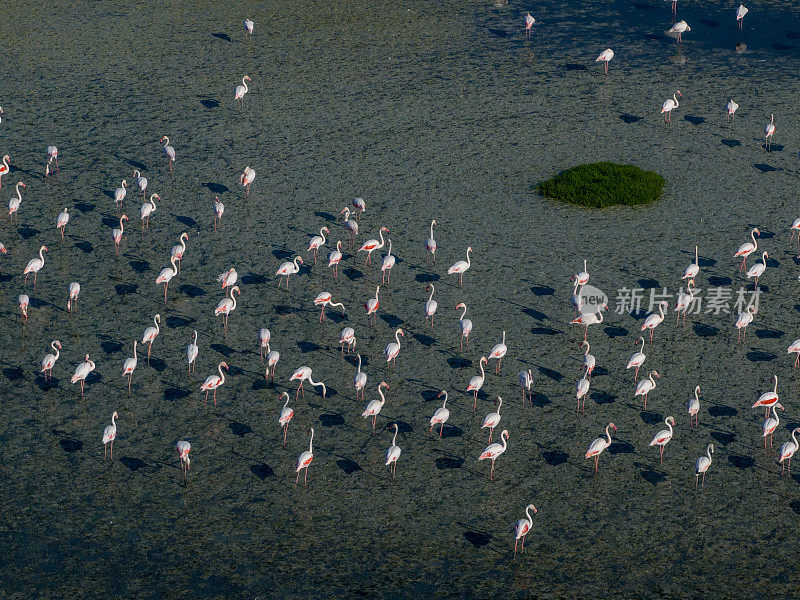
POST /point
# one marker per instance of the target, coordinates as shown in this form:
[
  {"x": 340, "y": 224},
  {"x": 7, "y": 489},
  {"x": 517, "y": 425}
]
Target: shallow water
[{"x": 427, "y": 111}]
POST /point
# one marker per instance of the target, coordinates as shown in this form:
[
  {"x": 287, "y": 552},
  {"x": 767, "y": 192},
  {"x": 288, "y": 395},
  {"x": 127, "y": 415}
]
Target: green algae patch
[{"x": 603, "y": 184}]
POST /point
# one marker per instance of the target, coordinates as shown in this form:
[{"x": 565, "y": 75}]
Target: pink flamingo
[
  {"x": 212, "y": 382},
  {"x": 288, "y": 268},
  {"x": 582, "y": 389},
  {"x": 430, "y": 245},
  {"x": 184, "y": 448},
  {"x": 241, "y": 90},
  {"x": 116, "y": 234},
  {"x": 492, "y": 420},
  {"x": 498, "y": 352},
  {"x": 110, "y": 434},
  {"x": 360, "y": 380},
  {"x": 129, "y": 366},
  {"x": 461, "y": 267},
  {"x": 166, "y": 275},
  {"x": 264, "y": 337},
  {"x": 34, "y": 266},
  {"x": 388, "y": 263},
  {"x": 52, "y": 153},
  {"x": 61, "y": 221},
  {"x": 248, "y": 29},
  {"x": 743, "y": 320},
  {"x": 747, "y": 248},
  {"x": 246, "y": 179},
  {"x": 645, "y": 386},
  {"x": 24, "y": 303},
  {"x": 372, "y": 306},
  {"x": 757, "y": 270},
  {"x": 335, "y": 257},
  {"x": 694, "y": 408},
  {"x": 273, "y": 356},
  {"x": 303, "y": 374},
  {"x": 286, "y": 416},
  {"x": 598, "y": 445},
  {"x": 14, "y": 203},
  {"x": 493, "y": 451},
  {"x": 304, "y": 460},
  {"x": 476, "y": 383},
  {"x": 587, "y": 319},
  {"x": 465, "y": 325},
  {"x": 768, "y": 399},
  {"x": 663, "y": 437},
  {"x": 147, "y": 209},
  {"x": 670, "y": 104},
  {"x": 150, "y": 335},
  {"x": 702, "y": 464},
  {"x": 227, "y": 305},
  {"x": 323, "y": 299},
  {"x": 192, "y": 350},
  {"x": 169, "y": 152},
  {"x": 49, "y": 359},
  {"x": 393, "y": 453},
  {"x": 787, "y": 451},
  {"x": 120, "y": 193},
  {"x": 605, "y": 58},
  {"x": 317, "y": 242},
  {"x": 441, "y": 415},
  {"x": 350, "y": 225},
  {"x": 360, "y": 206},
  {"x": 795, "y": 347},
  {"x": 4, "y": 168},
  {"x": 393, "y": 349},
  {"x": 529, "y": 21},
  {"x": 589, "y": 361},
  {"x": 523, "y": 527},
  {"x": 653, "y": 320},
  {"x": 82, "y": 372},
  {"x": 347, "y": 337},
  {"x": 141, "y": 182},
  {"x": 219, "y": 210},
  {"x": 525, "y": 379},
  {"x": 430, "y": 306},
  {"x": 771, "y": 424},
  {"x": 228, "y": 278},
  {"x": 374, "y": 407},
  {"x": 371, "y": 245},
  {"x": 684, "y": 302},
  {"x": 178, "y": 249},
  {"x": 769, "y": 131}
]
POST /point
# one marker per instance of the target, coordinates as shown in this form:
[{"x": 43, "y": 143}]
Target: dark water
[{"x": 427, "y": 111}]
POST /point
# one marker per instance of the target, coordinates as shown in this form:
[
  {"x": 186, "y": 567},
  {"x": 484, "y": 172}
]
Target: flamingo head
[
  {"x": 440, "y": 394},
  {"x": 678, "y": 92},
  {"x": 225, "y": 366},
  {"x": 58, "y": 344},
  {"x": 87, "y": 358},
  {"x": 756, "y": 231},
  {"x": 401, "y": 332},
  {"x": 383, "y": 384},
  {"x": 614, "y": 427},
  {"x": 386, "y": 229},
  {"x": 22, "y": 184},
  {"x": 671, "y": 421},
  {"x": 300, "y": 260},
  {"x": 44, "y": 248},
  {"x": 124, "y": 218},
  {"x": 656, "y": 374},
  {"x": 326, "y": 230},
  {"x": 163, "y": 138},
  {"x": 461, "y": 305},
  {"x": 247, "y": 77}
]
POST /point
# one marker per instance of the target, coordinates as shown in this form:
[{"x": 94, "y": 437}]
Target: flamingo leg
[
  {"x": 441, "y": 429},
  {"x": 285, "y": 429}
]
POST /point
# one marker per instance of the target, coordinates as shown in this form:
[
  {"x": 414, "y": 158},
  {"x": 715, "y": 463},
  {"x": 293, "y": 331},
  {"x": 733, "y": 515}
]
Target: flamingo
[
  {"x": 702, "y": 464},
  {"x": 680, "y": 28},
  {"x": 241, "y": 90},
  {"x": 120, "y": 193},
  {"x": 219, "y": 210},
  {"x": 110, "y": 434},
  {"x": 273, "y": 356},
  {"x": 493, "y": 418},
  {"x": 264, "y": 336},
  {"x": 581, "y": 390},
  {"x": 192, "y": 351},
  {"x": 228, "y": 278},
  {"x": 430, "y": 306},
  {"x": 303, "y": 374},
  {"x": 184, "y": 448},
  {"x": 74, "y": 290},
  {"x": 227, "y": 305},
  {"x": 493, "y": 451},
  {"x": 476, "y": 383},
  {"x": 116, "y": 234},
  {"x": 212, "y": 382},
  {"x": 787, "y": 451},
  {"x": 731, "y": 109},
  {"x": 747, "y": 248},
  {"x": 743, "y": 320},
  {"x": 441, "y": 415},
  {"x": 169, "y": 152},
  {"x": 49, "y": 359},
  {"x": 771, "y": 424},
  {"x": 129, "y": 366},
  {"x": 587, "y": 319},
  {"x": 141, "y": 182},
  {"x": 323, "y": 300},
  {"x": 52, "y": 153},
  {"x": 388, "y": 263},
  {"x": 47, "y": 168},
  {"x": 246, "y": 179},
  {"x": 304, "y": 460},
  {"x": 605, "y": 57},
  {"x": 393, "y": 453},
  {"x": 1, "y": 112},
  {"x": 372, "y": 305},
  {"x": 317, "y": 242},
  {"x": 335, "y": 257},
  {"x": 529, "y": 21},
  {"x": 347, "y": 337},
  {"x": 150, "y": 334},
  {"x": 582, "y": 278},
  {"x": 286, "y": 416},
  {"x": 523, "y": 527},
  {"x": 82, "y": 372},
  {"x": 498, "y": 352},
  {"x": 693, "y": 269},
  {"x": 34, "y": 266},
  {"x": 461, "y": 267},
  {"x": 374, "y": 407},
  {"x": 670, "y": 104},
  {"x": 248, "y": 29},
  {"x": 166, "y": 275},
  {"x": 694, "y": 408},
  {"x": 147, "y": 209},
  {"x": 360, "y": 380},
  {"x": 430, "y": 245},
  {"x": 769, "y": 131},
  {"x": 795, "y": 347},
  {"x": 645, "y": 386},
  {"x": 14, "y": 203},
  {"x": 757, "y": 270},
  {"x": 464, "y": 324},
  {"x": 62, "y": 220},
  {"x": 589, "y": 360},
  {"x": 577, "y": 299},
  {"x": 371, "y": 245},
  {"x": 684, "y": 302},
  {"x": 654, "y": 320},
  {"x": 740, "y": 13},
  {"x": 288, "y": 268},
  {"x": 393, "y": 349},
  {"x": 5, "y": 169},
  {"x": 795, "y": 229},
  {"x": 360, "y": 206},
  {"x": 768, "y": 399},
  {"x": 351, "y": 225},
  {"x": 24, "y": 301},
  {"x": 179, "y": 248},
  {"x": 674, "y": 6},
  {"x": 525, "y": 379},
  {"x": 663, "y": 437}
]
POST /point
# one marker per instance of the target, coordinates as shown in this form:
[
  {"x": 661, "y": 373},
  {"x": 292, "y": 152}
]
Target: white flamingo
[
  {"x": 605, "y": 57},
  {"x": 288, "y": 268},
  {"x": 388, "y": 263},
  {"x": 74, "y": 291},
  {"x": 166, "y": 275},
  {"x": 582, "y": 389},
  {"x": 360, "y": 380},
  {"x": 219, "y": 210},
  {"x": 34, "y": 266},
  {"x": 372, "y": 305},
  {"x": 795, "y": 348},
  {"x": 498, "y": 352},
  {"x": 120, "y": 193},
  {"x": 129, "y": 366},
  {"x": 645, "y": 386},
  {"x": 461, "y": 267},
  {"x": 184, "y": 448},
  {"x": 116, "y": 234},
  {"x": 374, "y": 407},
  {"x": 769, "y": 131},
  {"x": 241, "y": 90},
  {"x": 653, "y": 320},
  {"x": 493, "y": 418},
  {"x": 179, "y": 249},
  {"x": 347, "y": 338},
  {"x": 589, "y": 360},
  {"x": 441, "y": 415},
  {"x": 303, "y": 374},
  {"x": 430, "y": 306},
  {"x": 227, "y": 305},
  {"x": 743, "y": 320},
  {"x": 757, "y": 270},
  {"x": 684, "y": 302},
  {"x": 49, "y": 360},
  {"x": 62, "y": 220},
  {"x": 82, "y": 372},
  {"x": 285, "y": 416},
  {"x": 663, "y": 437},
  {"x": 393, "y": 349},
  {"x": 430, "y": 245},
  {"x": 393, "y": 453},
  {"x": 702, "y": 464},
  {"x": 787, "y": 451},
  {"x": 771, "y": 424},
  {"x": 731, "y": 109},
  {"x": 525, "y": 379},
  {"x": 304, "y": 460},
  {"x": 680, "y": 28},
  {"x": 192, "y": 350},
  {"x": 693, "y": 269},
  {"x": 669, "y": 105},
  {"x": 476, "y": 383},
  {"x": 141, "y": 182},
  {"x": 14, "y": 203},
  {"x": 598, "y": 445},
  {"x": 147, "y": 209},
  {"x": 371, "y": 245},
  {"x": 110, "y": 434},
  {"x": 523, "y": 527},
  {"x": 169, "y": 152},
  {"x": 335, "y": 257},
  {"x": 150, "y": 335},
  {"x": 273, "y": 356},
  {"x": 317, "y": 242},
  {"x": 212, "y": 382},
  {"x": 465, "y": 325},
  {"x": 350, "y": 225},
  {"x": 694, "y": 408},
  {"x": 493, "y": 451},
  {"x": 747, "y": 248},
  {"x": 587, "y": 319}
]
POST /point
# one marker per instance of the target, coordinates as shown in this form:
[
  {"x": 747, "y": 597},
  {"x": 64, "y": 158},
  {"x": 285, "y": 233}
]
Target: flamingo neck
[
  {"x": 431, "y": 229},
  {"x": 483, "y": 375},
  {"x": 504, "y": 438},
  {"x": 113, "y": 420},
  {"x": 134, "y": 350},
  {"x": 469, "y": 264},
  {"x": 380, "y": 234},
  {"x": 121, "y": 226},
  {"x": 394, "y": 439},
  {"x": 432, "y": 290},
  {"x": 311, "y": 443},
  {"x": 285, "y": 404},
  {"x": 41, "y": 254},
  {"x": 244, "y": 83},
  {"x": 397, "y": 337},
  {"x": 19, "y": 194},
  {"x": 463, "y": 312},
  {"x": 166, "y": 141},
  {"x": 380, "y": 393},
  {"x": 221, "y": 374},
  {"x": 608, "y": 434}
]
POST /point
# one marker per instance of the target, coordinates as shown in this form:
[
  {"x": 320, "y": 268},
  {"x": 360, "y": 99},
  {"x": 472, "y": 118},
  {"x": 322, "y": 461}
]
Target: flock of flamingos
[{"x": 351, "y": 225}]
